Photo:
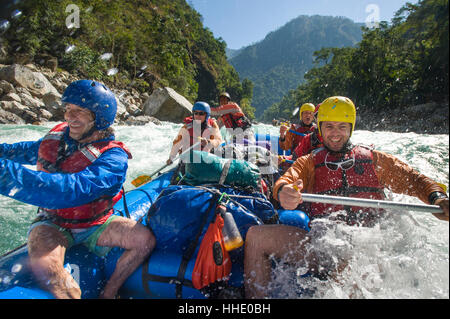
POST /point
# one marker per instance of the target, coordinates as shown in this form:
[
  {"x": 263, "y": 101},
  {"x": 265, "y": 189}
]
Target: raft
[{"x": 154, "y": 204}]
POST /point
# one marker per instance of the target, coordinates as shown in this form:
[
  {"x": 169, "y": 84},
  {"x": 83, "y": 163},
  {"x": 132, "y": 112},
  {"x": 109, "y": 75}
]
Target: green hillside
[
  {"x": 396, "y": 65},
  {"x": 144, "y": 44},
  {"x": 278, "y": 63}
]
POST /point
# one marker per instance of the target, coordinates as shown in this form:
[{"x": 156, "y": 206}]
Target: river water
[{"x": 405, "y": 256}]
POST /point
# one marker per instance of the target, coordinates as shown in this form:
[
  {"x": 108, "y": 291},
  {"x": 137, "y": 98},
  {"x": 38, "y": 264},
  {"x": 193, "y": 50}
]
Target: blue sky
[{"x": 242, "y": 22}]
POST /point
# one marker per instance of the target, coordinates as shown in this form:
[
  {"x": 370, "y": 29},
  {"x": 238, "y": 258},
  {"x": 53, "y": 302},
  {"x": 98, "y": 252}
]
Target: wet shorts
[{"x": 86, "y": 236}]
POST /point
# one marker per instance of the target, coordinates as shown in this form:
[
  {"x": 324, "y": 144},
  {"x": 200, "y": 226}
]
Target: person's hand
[
  {"x": 443, "y": 203},
  {"x": 169, "y": 161},
  {"x": 289, "y": 196},
  {"x": 204, "y": 141},
  {"x": 283, "y": 129}
]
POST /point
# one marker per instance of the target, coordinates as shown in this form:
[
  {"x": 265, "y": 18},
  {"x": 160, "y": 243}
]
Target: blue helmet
[
  {"x": 95, "y": 97},
  {"x": 202, "y": 106}
]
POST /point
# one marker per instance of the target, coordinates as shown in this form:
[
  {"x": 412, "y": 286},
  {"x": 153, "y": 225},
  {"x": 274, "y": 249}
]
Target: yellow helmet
[
  {"x": 306, "y": 107},
  {"x": 337, "y": 109}
]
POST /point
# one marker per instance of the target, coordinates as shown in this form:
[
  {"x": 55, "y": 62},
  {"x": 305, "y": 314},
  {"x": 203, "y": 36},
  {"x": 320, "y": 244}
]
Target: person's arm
[
  {"x": 225, "y": 109},
  {"x": 288, "y": 140},
  {"x": 402, "y": 178},
  {"x": 104, "y": 176},
  {"x": 23, "y": 152},
  {"x": 179, "y": 143},
  {"x": 213, "y": 136}
]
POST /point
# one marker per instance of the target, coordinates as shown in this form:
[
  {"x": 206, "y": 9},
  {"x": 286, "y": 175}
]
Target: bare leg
[
  {"x": 262, "y": 242},
  {"x": 138, "y": 243},
  {"x": 46, "y": 248}
]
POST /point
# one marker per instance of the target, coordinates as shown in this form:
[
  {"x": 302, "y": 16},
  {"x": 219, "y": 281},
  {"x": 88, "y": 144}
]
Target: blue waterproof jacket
[{"x": 104, "y": 176}]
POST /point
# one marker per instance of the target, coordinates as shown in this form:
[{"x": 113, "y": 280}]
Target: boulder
[
  {"x": 9, "y": 118},
  {"x": 7, "y": 87},
  {"x": 141, "y": 120},
  {"x": 35, "y": 82},
  {"x": 52, "y": 102},
  {"x": 167, "y": 105}
]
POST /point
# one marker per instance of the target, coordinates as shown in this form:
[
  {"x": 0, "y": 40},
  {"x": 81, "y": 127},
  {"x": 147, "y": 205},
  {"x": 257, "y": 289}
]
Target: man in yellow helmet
[
  {"x": 341, "y": 169},
  {"x": 291, "y": 137}
]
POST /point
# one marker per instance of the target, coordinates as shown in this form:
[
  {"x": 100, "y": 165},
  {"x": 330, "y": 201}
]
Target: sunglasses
[
  {"x": 344, "y": 165},
  {"x": 199, "y": 113},
  {"x": 77, "y": 112}
]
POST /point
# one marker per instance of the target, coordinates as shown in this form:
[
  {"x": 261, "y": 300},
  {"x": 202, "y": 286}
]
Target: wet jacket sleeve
[
  {"x": 286, "y": 143},
  {"x": 214, "y": 137},
  {"x": 180, "y": 143},
  {"x": 57, "y": 190},
  {"x": 401, "y": 178},
  {"x": 23, "y": 152},
  {"x": 392, "y": 173}
]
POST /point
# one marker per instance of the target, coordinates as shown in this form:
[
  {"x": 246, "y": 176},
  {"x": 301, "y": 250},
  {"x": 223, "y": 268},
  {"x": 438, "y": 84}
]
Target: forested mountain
[
  {"x": 395, "y": 66},
  {"x": 138, "y": 43},
  {"x": 278, "y": 63}
]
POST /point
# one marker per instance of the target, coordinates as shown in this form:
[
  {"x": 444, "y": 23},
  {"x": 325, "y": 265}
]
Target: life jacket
[
  {"x": 311, "y": 142},
  {"x": 359, "y": 181},
  {"x": 51, "y": 159},
  {"x": 235, "y": 120},
  {"x": 302, "y": 129},
  {"x": 190, "y": 127}
]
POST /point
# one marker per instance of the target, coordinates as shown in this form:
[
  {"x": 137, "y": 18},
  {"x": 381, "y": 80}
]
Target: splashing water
[
  {"x": 112, "y": 71},
  {"x": 406, "y": 255}
]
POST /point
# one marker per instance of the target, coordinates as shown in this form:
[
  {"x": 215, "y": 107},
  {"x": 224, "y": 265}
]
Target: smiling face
[
  {"x": 335, "y": 134},
  {"x": 80, "y": 120},
  {"x": 307, "y": 117}
]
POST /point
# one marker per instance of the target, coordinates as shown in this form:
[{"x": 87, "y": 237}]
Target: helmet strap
[{"x": 88, "y": 133}]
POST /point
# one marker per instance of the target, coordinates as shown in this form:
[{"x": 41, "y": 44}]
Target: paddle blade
[
  {"x": 443, "y": 186},
  {"x": 140, "y": 180}
]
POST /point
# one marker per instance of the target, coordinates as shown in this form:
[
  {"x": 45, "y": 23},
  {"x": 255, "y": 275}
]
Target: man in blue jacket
[{"x": 79, "y": 177}]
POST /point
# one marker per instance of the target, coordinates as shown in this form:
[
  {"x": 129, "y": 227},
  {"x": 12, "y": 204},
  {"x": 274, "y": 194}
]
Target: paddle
[
  {"x": 362, "y": 202},
  {"x": 140, "y": 180}
]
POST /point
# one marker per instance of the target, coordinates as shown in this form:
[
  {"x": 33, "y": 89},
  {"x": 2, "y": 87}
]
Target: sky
[{"x": 243, "y": 22}]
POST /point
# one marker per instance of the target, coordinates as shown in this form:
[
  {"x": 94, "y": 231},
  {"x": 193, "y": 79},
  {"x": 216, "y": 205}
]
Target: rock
[
  {"x": 35, "y": 82},
  {"x": 52, "y": 102},
  {"x": 9, "y": 118},
  {"x": 133, "y": 110},
  {"x": 30, "y": 101},
  {"x": 167, "y": 105},
  {"x": 30, "y": 117},
  {"x": 141, "y": 120},
  {"x": 7, "y": 87},
  {"x": 13, "y": 107},
  {"x": 121, "y": 110},
  {"x": 45, "y": 114},
  {"x": 12, "y": 97}
]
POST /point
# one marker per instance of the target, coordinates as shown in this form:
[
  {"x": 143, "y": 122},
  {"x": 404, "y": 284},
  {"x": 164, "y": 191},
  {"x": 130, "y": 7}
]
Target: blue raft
[{"x": 159, "y": 276}]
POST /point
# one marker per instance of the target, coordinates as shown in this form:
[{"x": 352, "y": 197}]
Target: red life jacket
[
  {"x": 235, "y": 120},
  {"x": 300, "y": 128},
  {"x": 51, "y": 160},
  {"x": 359, "y": 181},
  {"x": 311, "y": 142},
  {"x": 190, "y": 127}
]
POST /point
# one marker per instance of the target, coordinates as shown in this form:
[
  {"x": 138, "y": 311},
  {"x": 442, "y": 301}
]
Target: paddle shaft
[
  {"x": 362, "y": 202},
  {"x": 174, "y": 159}
]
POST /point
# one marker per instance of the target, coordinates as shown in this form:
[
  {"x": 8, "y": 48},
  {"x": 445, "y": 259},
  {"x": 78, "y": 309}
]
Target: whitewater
[{"x": 406, "y": 255}]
